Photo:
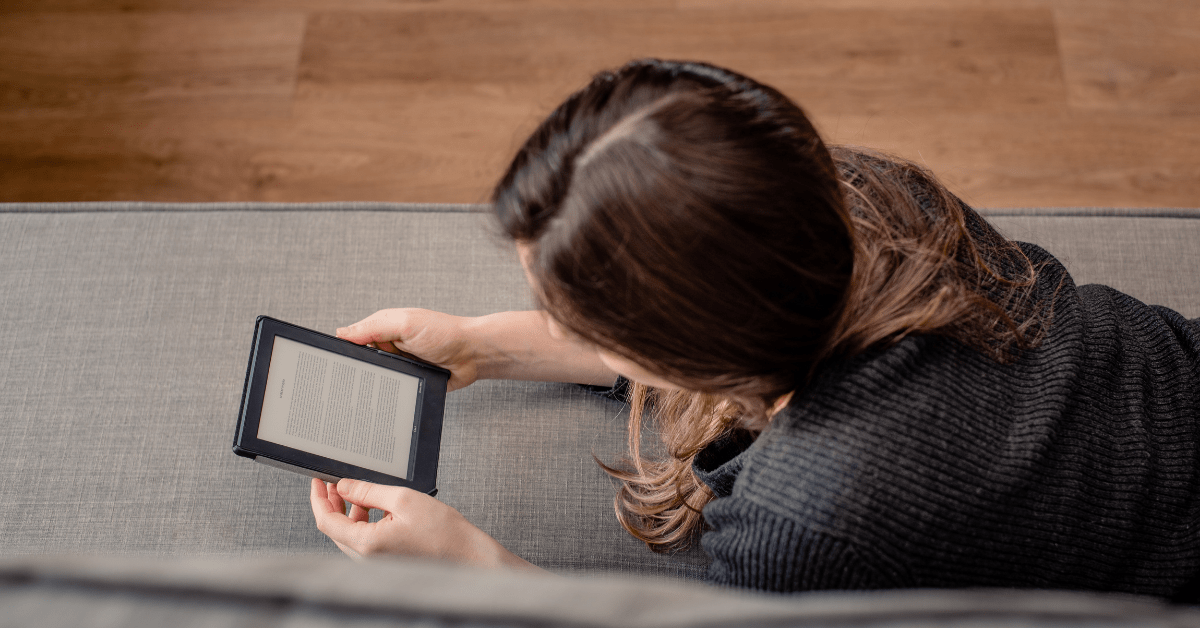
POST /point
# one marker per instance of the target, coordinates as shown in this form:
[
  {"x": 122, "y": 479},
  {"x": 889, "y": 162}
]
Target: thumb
[
  {"x": 367, "y": 494},
  {"x": 382, "y": 326},
  {"x": 358, "y": 333}
]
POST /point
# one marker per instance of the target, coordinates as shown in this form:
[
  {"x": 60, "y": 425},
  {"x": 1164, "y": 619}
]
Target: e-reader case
[{"x": 320, "y": 432}]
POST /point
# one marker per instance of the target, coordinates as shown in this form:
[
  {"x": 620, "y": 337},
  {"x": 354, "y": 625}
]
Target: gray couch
[{"x": 126, "y": 329}]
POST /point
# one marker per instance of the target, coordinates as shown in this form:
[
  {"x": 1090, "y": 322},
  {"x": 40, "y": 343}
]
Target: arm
[
  {"x": 506, "y": 345},
  {"x": 755, "y": 548},
  {"x": 519, "y": 345}
]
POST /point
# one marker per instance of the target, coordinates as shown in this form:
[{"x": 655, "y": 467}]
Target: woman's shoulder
[
  {"x": 926, "y": 406},
  {"x": 879, "y": 418}
]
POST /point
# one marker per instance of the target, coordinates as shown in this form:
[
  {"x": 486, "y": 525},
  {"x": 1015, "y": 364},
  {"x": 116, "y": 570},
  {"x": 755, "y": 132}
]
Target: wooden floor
[{"x": 1013, "y": 102}]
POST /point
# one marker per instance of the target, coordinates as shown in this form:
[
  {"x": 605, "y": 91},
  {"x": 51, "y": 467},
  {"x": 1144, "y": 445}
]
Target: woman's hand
[
  {"x": 505, "y": 345},
  {"x": 413, "y": 524},
  {"x": 432, "y": 336}
]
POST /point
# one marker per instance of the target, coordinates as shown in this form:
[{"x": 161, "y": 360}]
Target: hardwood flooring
[{"x": 1012, "y": 102}]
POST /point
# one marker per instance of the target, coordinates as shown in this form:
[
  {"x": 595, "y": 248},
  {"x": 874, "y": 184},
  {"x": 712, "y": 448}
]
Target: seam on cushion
[
  {"x": 1094, "y": 212},
  {"x": 914, "y": 607},
  {"x": 141, "y": 206}
]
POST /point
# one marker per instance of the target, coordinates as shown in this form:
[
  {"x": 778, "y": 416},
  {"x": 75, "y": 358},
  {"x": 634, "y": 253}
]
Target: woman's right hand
[
  {"x": 442, "y": 339},
  {"x": 504, "y": 345}
]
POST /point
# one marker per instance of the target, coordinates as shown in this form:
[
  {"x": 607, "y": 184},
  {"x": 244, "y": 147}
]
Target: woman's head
[
  {"x": 687, "y": 219},
  {"x": 691, "y": 223}
]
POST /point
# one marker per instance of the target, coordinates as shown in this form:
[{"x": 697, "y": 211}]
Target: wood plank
[
  {"x": 206, "y": 64},
  {"x": 1135, "y": 5},
  {"x": 859, "y": 60},
  {"x": 1034, "y": 160},
  {"x": 416, "y": 100},
  {"x": 124, "y": 6},
  {"x": 412, "y": 149},
  {"x": 891, "y": 5},
  {"x": 418, "y": 148},
  {"x": 1142, "y": 58}
]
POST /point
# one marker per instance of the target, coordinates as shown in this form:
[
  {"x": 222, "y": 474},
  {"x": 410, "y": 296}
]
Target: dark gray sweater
[{"x": 930, "y": 465}]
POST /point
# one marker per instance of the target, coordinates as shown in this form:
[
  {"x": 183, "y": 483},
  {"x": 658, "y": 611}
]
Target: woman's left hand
[{"x": 413, "y": 524}]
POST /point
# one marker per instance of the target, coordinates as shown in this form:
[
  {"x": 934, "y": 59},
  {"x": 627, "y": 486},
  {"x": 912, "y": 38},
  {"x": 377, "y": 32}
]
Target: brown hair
[{"x": 691, "y": 220}]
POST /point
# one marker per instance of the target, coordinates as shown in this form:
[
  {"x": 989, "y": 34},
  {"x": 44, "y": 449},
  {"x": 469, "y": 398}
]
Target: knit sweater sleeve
[{"x": 754, "y": 548}]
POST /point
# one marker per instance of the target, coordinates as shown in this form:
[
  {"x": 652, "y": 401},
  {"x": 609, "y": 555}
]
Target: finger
[
  {"x": 320, "y": 498},
  {"x": 325, "y": 499},
  {"x": 356, "y": 330},
  {"x": 388, "y": 346},
  {"x": 369, "y": 495},
  {"x": 350, "y": 536},
  {"x": 358, "y": 513},
  {"x": 381, "y": 326},
  {"x": 335, "y": 499},
  {"x": 349, "y": 551},
  {"x": 347, "y": 534}
]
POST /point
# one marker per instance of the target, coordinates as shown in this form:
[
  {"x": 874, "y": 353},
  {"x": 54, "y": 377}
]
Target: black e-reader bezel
[{"x": 430, "y": 408}]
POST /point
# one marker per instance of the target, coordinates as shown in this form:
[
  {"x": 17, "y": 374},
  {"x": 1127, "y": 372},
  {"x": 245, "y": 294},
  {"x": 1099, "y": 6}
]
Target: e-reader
[{"x": 328, "y": 408}]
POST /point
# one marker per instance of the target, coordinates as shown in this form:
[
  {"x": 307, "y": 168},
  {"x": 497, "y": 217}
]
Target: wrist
[
  {"x": 489, "y": 553},
  {"x": 518, "y": 345},
  {"x": 487, "y": 336}
]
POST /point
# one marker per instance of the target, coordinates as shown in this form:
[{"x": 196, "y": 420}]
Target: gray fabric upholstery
[
  {"x": 125, "y": 328},
  {"x": 125, "y": 339},
  {"x": 1151, "y": 254},
  {"x": 50, "y": 592}
]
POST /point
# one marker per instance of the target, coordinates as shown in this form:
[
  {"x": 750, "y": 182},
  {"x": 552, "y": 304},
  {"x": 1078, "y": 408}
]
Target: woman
[{"x": 859, "y": 382}]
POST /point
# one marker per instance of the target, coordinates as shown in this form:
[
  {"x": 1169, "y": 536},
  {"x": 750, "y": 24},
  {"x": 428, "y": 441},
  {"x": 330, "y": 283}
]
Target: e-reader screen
[{"x": 337, "y": 407}]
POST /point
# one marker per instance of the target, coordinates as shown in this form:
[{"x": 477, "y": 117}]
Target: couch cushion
[
  {"x": 1152, "y": 254},
  {"x": 120, "y": 591},
  {"x": 125, "y": 329},
  {"x": 125, "y": 334}
]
